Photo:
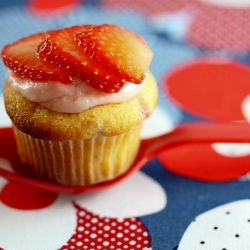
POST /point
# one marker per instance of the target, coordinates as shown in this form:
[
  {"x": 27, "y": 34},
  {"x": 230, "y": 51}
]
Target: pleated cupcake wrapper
[{"x": 78, "y": 162}]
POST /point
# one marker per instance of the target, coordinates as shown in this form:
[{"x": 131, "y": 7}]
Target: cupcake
[{"x": 77, "y": 98}]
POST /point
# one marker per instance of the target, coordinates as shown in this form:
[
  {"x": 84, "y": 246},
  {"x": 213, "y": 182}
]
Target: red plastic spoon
[{"x": 181, "y": 135}]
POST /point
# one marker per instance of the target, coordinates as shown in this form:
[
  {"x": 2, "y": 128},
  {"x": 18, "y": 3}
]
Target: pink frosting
[{"x": 73, "y": 98}]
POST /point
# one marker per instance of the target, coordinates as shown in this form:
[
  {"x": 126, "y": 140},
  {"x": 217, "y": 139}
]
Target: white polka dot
[
  {"x": 88, "y": 216},
  {"x": 79, "y": 236},
  {"x": 82, "y": 213},
  {"x": 106, "y": 219},
  {"x": 73, "y": 240},
  {"x": 145, "y": 241},
  {"x": 94, "y": 220},
  {"x": 105, "y": 243},
  {"x": 92, "y": 243},
  {"x": 126, "y": 223},
  {"x": 133, "y": 227},
  {"x": 112, "y": 239},
  {"x": 138, "y": 238},
  {"x": 119, "y": 235},
  {"x": 139, "y": 230},
  {"x": 79, "y": 243},
  {"x": 125, "y": 247},
  {"x": 106, "y": 235},
  {"x": 81, "y": 221},
  {"x": 93, "y": 236},
  {"x": 126, "y": 231},
  {"x": 132, "y": 235},
  {"x": 86, "y": 232},
  {"x": 106, "y": 228},
  {"x": 113, "y": 231},
  {"x": 86, "y": 239},
  {"x": 113, "y": 224},
  {"x": 126, "y": 239},
  {"x": 99, "y": 239},
  {"x": 85, "y": 247},
  {"x": 119, "y": 243},
  {"x": 145, "y": 234},
  {"x": 100, "y": 224},
  {"x": 100, "y": 231},
  {"x": 80, "y": 229},
  {"x": 120, "y": 228},
  {"x": 120, "y": 220},
  {"x": 138, "y": 246},
  {"x": 132, "y": 242},
  {"x": 87, "y": 224},
  {"x": 93, "y": 228}
]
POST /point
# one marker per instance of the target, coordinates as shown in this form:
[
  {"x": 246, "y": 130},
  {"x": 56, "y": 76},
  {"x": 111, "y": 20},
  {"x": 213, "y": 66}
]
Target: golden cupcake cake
[{"x": 77, "y": 98}]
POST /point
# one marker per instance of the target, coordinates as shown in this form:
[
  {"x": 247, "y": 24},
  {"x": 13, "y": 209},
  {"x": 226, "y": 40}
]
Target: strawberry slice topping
[
  {"x": 102, "y": 56},
  {"x": 120, "y": 51},
  {"x": 22, "y": 59},
  {"x": 61, "y": 49}
]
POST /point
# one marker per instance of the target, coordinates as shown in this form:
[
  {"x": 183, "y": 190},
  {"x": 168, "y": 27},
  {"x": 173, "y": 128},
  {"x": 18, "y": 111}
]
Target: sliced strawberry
[
  {"x": 21, "y": 58},
  {"x": 104, "y": 56},
  {"x": 120, "y": 51},
  {"x": 60, "y": 49}
]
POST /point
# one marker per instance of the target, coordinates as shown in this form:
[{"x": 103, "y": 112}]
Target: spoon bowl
[{"x": 195, "y": 133}]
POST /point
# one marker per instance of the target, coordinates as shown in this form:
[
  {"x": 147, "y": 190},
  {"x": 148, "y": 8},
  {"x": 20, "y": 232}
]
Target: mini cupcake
[{"x": 77, "y": 98}]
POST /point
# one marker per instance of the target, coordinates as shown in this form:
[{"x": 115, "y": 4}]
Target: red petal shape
[
  {"x": 24, "y": 197},
  {"x": 213, "y": 88},
  {"x": 14, "y": 194},
  {"x": 48, "y": 7},
  {"x": 201, "y": 162}
]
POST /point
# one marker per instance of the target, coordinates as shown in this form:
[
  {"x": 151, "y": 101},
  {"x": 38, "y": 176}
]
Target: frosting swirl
[{"x": 70, "y": 98}]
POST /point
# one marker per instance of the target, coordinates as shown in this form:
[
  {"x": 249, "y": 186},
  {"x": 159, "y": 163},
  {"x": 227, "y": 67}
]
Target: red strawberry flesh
[
  {"x": 60, "y": 49},
  {"x": 120, "y": 51},
  {"x": 102, "y": 56},
  {"x": 22, "y": 59}
]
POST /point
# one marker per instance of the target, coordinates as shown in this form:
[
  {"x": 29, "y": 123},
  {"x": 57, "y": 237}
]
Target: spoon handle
[{"x": 196, "y": 133}]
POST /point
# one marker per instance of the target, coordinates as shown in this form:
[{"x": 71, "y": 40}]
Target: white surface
[
  {"x": 157, "y": 124},
  {"x": 28, "y": 229},
  {"x": 4, "y": 119},
  {"x": 138, "y": 195},
  {"x": 232, "y": 149},
  {"x": 231, "y": 222},
  {"x": 229, "y": 3}
]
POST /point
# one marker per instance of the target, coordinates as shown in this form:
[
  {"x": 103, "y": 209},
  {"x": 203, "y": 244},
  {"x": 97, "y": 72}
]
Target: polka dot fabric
[
  {"x": 230, "y": 221},
  {"x": 150, "y": 7},
  {"x": 193, "y": 29},
  {"x": 218, "y": 28},
  {"x": 94, "y": 232}
]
